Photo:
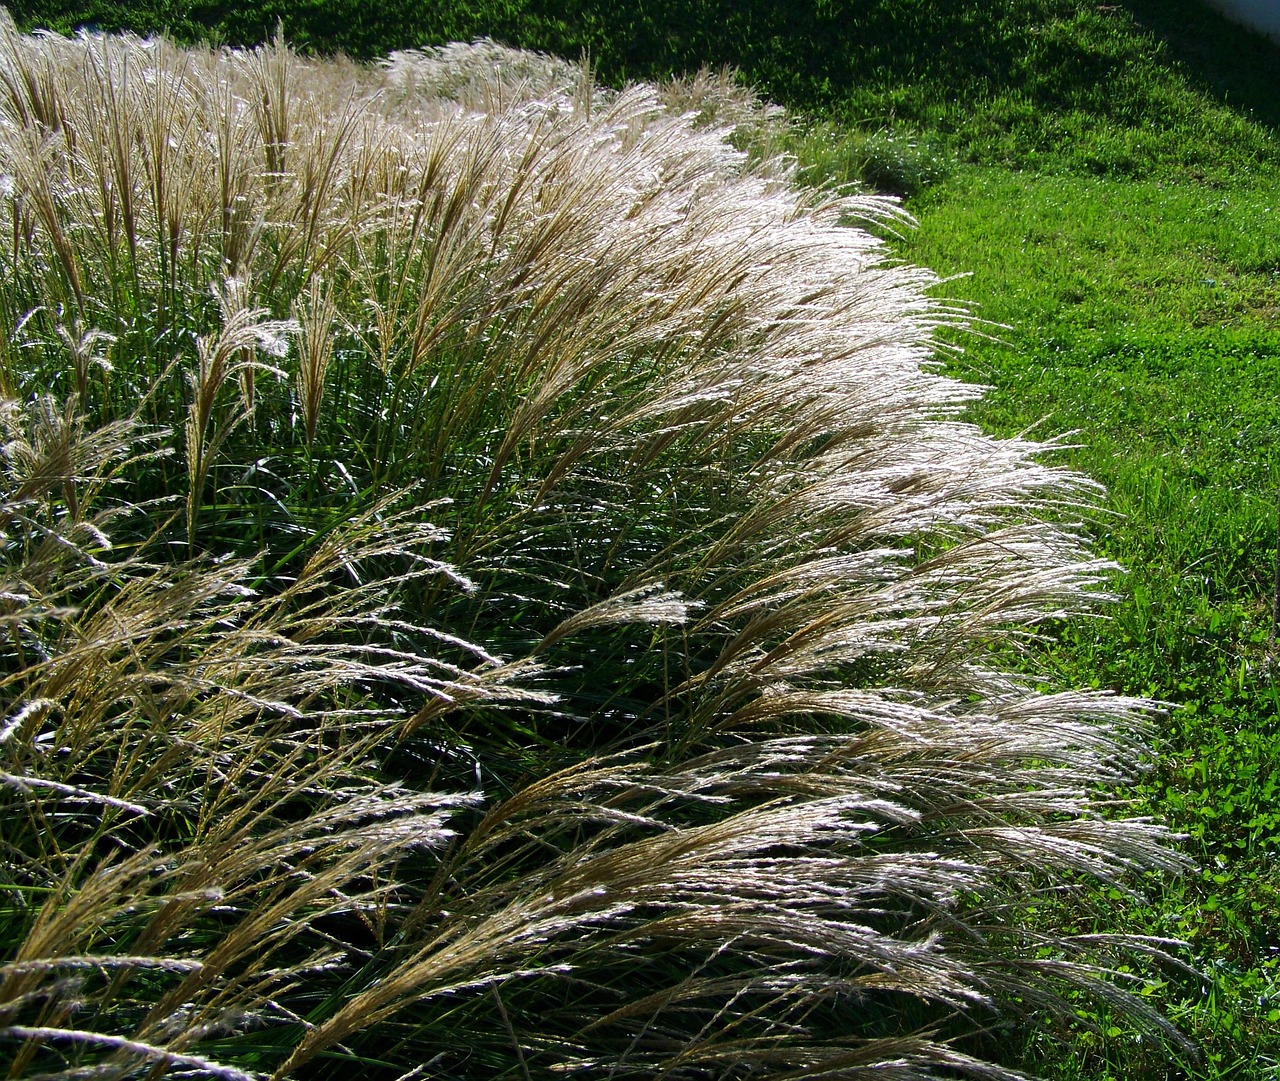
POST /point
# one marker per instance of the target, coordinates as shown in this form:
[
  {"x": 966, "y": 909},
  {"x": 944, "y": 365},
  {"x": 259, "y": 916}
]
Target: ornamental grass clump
[{"x": 495, "y": 585}]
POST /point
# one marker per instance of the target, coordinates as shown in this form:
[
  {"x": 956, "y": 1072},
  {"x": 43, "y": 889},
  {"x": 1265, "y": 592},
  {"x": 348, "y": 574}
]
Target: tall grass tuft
[{"x": 494, "y": 585}]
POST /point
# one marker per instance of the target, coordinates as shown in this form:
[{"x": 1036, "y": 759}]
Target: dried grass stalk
[{"x": 575, "y": 629}]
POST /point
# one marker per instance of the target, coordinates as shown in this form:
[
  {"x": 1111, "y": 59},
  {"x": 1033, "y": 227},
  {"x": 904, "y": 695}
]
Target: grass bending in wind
[{"x": 494, "y": 585}]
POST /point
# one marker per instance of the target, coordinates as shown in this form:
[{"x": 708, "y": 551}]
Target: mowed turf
[
  {"x": 1137, "y": 319},
  {"x": 1136, "y": 316}
]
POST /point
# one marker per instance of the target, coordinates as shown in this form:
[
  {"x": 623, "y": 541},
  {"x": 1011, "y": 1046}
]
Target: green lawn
[
  {"x": 1139, "y": 317},
  {"x": 1127, "y": 259}
]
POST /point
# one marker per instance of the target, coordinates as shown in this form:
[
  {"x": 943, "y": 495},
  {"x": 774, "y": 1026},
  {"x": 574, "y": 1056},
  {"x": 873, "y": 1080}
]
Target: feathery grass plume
[
  {"x": 590, "y": 646},
  {"x": 188, "y": 771},
  {"x": 316, "y": 316},
  {"x": 483, "y": 77}
]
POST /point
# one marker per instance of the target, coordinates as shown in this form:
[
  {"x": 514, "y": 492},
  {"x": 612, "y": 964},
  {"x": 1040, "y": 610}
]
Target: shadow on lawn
[
  {"x": 853, "y": 57},
  {"x": 1236, "y": 67}
]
